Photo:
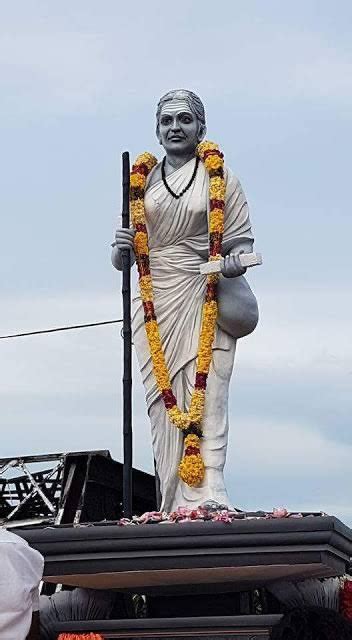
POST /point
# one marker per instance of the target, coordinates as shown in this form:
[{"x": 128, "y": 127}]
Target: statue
[{"x": 187, "y": 211}]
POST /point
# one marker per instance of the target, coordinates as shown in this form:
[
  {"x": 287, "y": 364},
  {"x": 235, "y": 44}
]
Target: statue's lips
[{"x": 176, "y": 139}]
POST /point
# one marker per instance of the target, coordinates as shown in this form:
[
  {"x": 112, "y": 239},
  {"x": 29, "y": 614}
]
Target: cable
[{"x": 68, "y": 328}]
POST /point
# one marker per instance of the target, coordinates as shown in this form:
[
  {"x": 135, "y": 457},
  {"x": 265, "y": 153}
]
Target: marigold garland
[{"x": 191, "y": 468}]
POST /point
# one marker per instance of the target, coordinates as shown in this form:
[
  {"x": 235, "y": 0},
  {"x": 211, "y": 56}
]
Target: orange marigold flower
[
  {"x": 196, "y": 408},
  {"x": 217, "y": 188},
  {"x": 137, "y": 212},
  {"x": 216, "y": 221},
  {"x": 179, "y": 418},
  {"x": 137, "y": 180},
  {"x": 146, "y": 288},
  {"x": 192, "y": 440},
  {"x": 141, "y": 243},
  {"x": 213, "y": 278},
  {"x": 148, "y": 159},
  {"x": 213, "y": 162},
  {"x": 191, "y": 470}
]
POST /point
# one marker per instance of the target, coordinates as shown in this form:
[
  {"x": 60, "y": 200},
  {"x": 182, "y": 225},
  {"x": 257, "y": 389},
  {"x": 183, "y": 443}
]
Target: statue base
[{"x": 196, "y": 576}]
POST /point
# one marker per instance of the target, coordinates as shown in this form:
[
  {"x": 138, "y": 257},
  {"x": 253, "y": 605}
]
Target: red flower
[
  {"x": 192, "y": 451},
  {"x": 149, "y": 313},
  {"x": 212, "y": 152},
  {"x": 169, "y": 398},
  {"x": 141, "y": 227},
  {"x": 346, "y": 599},
  {"x": 140, "y": 168},
  {"x": 201, "y": 380},
  {"x": 216, "y": 204}
]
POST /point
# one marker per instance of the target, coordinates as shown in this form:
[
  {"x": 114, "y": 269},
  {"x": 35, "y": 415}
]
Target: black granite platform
[
  {"x": 201, "y": 556},
  {"x": 221, "y": 628}
]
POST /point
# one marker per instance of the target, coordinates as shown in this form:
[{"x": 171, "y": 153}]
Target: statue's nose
[{"x": 175, "y": 124}]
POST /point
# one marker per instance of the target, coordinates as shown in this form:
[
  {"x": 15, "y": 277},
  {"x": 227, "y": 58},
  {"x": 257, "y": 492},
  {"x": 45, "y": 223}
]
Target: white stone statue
[{"x": 178, "y": 242}]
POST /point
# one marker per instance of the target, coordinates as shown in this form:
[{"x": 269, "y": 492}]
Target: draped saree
[{"x": 178, "y": 243}]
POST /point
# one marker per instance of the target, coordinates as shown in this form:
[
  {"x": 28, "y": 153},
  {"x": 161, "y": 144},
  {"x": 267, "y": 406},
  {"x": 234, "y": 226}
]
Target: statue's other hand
[
  {"x": 124, "y": 239},
  {"x": 231, "y": 266}
]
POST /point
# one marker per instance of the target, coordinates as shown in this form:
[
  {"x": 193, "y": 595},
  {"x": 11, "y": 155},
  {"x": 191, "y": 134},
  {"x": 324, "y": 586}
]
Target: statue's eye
[
  {"x": 165, "y": 120},
  {"x": 186, "y": 118}
]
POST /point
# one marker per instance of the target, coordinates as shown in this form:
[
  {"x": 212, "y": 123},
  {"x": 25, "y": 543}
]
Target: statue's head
[{"x": 180, "y": 121}]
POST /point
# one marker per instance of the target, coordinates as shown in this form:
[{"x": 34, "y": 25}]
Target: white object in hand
[{"x": 246, "y": 260}]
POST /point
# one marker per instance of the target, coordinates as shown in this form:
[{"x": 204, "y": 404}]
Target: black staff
[{"x": 127, "y": 345}]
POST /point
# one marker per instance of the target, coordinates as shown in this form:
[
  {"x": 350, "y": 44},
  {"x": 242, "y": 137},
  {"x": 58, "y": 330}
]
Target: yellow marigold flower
[
  {"x": 210, "y": 310},
  {"x": 159, "y": 365},
  {"x": 213, "y": 278},
  {"x": 146, "y": 288},
  {"x": 192, "y": 440},
  {"x": 141, "y": 243},
  {"x": 153, "y": 334},
  {"x": 191, "y": 470},
  {"x": 216, "y": 221},
  {"x": 137, "y": 180},
  {"x": 206, "y": 146},
  {"x": 179, "y": 418},
  {"x": 217, "y": 188},
  {"x": 137, "y": 212},
  {"x": 148, "y": 159},
  {"x": 162, "y": 378},
  {"x": 197, "y": 406},
  {"x": 213, "y": 162}
]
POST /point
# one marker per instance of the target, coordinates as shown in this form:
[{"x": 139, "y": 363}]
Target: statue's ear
[
  {"x": 201, "y": 132},
  {"x": 158, "y": 133}
]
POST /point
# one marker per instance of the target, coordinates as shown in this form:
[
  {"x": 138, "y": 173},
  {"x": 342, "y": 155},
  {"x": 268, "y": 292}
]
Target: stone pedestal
[{"x": 175, "y": 561}]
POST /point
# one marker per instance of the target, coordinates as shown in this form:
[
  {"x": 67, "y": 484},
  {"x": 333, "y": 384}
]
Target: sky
[{"x": 79, "y": 83}]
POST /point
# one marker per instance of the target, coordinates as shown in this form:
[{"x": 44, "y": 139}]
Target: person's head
[
  {"x": 312, "y": 623},
  {"x": 180, "y": 121}
]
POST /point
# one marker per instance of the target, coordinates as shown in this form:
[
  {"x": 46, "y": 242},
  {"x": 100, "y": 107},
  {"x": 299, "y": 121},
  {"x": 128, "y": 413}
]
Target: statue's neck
[{"x": 174, "y": 161}]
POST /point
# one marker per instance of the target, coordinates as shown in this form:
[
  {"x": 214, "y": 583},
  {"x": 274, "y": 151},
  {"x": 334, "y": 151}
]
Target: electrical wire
[{"x": 55, "y": 329}]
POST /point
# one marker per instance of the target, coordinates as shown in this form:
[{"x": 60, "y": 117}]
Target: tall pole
[{"x": 127, "y": 345}]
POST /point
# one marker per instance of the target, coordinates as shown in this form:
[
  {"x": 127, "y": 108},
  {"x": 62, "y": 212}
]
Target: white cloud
[
  {"x": 301, "y": 331},
  {"x": 276, "y": 463},
  {"x": 283, "y": 449},
  {"x": 64, "y": 70},
  {"x": 56, "y": 70}
]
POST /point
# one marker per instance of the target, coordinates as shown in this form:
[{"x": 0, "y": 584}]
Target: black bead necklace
[{"x": 163, "y": 175}]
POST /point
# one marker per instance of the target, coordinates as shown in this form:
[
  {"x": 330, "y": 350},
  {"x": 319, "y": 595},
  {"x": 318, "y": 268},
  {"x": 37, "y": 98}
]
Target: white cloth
[
  {"x": 21, "y": 570},
  {"x": 178, "y": 242}
]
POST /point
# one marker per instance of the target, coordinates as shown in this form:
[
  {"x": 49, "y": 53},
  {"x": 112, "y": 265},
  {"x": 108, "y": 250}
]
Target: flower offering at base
[{"x": 80, "y": 636}]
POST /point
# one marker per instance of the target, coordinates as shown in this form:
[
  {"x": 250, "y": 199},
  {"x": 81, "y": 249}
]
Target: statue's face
[{"x": 178, "y": 128}]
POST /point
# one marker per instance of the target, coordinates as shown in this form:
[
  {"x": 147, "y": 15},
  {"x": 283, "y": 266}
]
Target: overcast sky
[{"x": 79, "y": 83}]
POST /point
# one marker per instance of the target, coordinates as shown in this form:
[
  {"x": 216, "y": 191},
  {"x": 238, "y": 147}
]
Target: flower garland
[{"x": 191, "y": 468}]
